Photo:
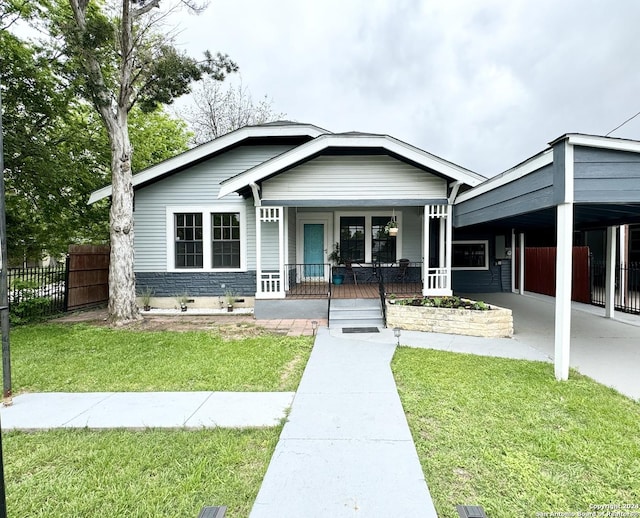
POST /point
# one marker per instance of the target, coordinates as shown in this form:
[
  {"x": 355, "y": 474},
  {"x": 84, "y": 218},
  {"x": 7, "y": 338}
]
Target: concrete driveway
[{"x": 604, "y": 349}]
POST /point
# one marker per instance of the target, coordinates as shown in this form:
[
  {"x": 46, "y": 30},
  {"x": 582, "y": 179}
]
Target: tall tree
[
  {"x": 57, "y": 153},
  {"x": 122, "y": 60},
  {"x": 217, "y": 110}
]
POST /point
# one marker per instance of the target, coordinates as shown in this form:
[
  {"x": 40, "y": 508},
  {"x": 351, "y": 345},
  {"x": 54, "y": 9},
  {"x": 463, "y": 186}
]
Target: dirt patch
[{"x": 228, "y": 326}]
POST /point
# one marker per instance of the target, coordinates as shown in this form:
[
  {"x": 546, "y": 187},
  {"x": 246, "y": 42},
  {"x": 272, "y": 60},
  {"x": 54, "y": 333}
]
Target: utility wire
[{"x": 620, "y": 126}]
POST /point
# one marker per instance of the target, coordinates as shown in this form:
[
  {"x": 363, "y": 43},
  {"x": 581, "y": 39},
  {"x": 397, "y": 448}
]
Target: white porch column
[
  {"x": 624, "y": 261},
  {"x": 564, "y": 268},
  {"x": 258, "y": 252},
  {"x": 270, "y": 282},
  {"x": 425, "y": 251},
  {"x": 522, "y": 265},
  {"x": 513, "y": 261},
  {"x": 449, "y": 246},
  {"x": 610, "y": 276}
]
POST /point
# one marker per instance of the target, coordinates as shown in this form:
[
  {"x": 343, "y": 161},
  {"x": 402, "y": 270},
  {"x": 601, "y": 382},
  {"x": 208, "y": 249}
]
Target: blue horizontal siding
[{"x": 170, "y": 284}]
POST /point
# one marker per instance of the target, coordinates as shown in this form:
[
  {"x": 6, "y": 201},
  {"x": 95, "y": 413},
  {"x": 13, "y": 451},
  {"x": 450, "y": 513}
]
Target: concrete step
[{"x": 355, "y": 313}]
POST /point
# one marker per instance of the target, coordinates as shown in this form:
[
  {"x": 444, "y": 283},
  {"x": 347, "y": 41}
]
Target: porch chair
[
  {"x": 348, "y": 268},
  {"x": 403, "y": 270}
]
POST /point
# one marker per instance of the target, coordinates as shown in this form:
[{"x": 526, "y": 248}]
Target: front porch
[{"x": 358, "y": 281}]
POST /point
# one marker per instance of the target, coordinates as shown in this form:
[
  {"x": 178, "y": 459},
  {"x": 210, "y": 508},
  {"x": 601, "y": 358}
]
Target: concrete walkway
[
  {"x": 346, "y": 449},
  {"x": 139, "y": 410}
]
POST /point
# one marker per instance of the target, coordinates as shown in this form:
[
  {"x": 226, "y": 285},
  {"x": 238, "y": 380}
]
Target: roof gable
[
  {"x": 349, "y": 141},
  {"x": 278, "y": 130}
]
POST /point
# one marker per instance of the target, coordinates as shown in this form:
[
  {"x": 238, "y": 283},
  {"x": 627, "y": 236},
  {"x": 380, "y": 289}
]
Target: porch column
[
  {"x": 270, "y": 281},
  {"x": 513, "y": 261},
  {"x": 449, "y": 246},
  {"x": 610, "y": 279},
  {"x": 425, "y": 251},
  {"x": 521, "y": 277},
  {"x": 623, "y": 264}
]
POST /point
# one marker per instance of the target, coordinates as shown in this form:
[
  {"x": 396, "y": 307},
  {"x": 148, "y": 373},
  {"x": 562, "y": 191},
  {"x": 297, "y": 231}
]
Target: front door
[{"x": 314, "y": 239}]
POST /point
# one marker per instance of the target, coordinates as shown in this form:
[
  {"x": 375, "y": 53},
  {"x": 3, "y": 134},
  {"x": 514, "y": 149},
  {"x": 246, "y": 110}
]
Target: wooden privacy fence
[
  {"x": 87, "y": 276},
  {"x": 540, "y": 272}
]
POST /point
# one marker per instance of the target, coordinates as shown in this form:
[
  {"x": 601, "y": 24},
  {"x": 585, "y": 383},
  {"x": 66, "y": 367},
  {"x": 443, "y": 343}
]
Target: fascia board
[
  {"x": 214, "y": 146},
  {"x": 533, "y": 164},
  {"x": 326, "y": 141}
]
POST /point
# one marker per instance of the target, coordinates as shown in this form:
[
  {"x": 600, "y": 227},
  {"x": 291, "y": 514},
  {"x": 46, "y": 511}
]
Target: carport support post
[
  {"x": 521, "y": 277},
  {"x": 564, "y": 268},
  {"x": 610, "y": 279}
]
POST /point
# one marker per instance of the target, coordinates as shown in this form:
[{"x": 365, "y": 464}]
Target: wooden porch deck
[{"x": 353, "y": 291}]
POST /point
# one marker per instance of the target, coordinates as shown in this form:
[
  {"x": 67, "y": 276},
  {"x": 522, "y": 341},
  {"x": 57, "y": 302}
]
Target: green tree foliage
[
  {"x": 57, "y": 152},
  {"x": 117, "y": 57}
]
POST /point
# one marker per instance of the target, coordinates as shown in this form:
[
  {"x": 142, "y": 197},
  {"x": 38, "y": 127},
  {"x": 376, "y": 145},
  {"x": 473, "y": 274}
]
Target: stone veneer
[{"x": 494, "y": 323}]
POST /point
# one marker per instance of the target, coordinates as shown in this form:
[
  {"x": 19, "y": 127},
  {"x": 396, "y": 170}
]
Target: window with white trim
[
  {"x": 188, "y": 242},
  {"x": 225, "y": 240},
  {"x": 203, "y": 238},
  {"x": 470, "y": 255},
  {"x": 363, "y": 238}
]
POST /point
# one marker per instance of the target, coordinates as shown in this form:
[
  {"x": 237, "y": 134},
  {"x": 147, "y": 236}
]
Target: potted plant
[
  {"x": 146, "y": 298},
  {"x": 182, "y": 301},
  {"x": 335, "y": 257},
  {"x": 230, "y": 298},
  {"x": 391, "y": 228}
]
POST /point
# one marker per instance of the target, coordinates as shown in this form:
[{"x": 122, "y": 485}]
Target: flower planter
[
  {"x": 393, "y": 231},
  {"x": 337, "y": 278},
  {"x": 496, "y": 322}
]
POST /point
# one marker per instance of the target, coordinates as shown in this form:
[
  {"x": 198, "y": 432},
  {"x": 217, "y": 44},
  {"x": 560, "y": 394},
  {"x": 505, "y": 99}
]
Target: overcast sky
[{"x": 484, "y": 84}]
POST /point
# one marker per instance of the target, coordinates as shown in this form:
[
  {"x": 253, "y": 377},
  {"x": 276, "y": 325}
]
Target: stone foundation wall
[{"x": 494, "y": 323}]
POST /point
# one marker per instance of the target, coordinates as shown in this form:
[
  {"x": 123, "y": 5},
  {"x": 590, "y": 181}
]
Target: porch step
[{"x": 355, "y": 313}]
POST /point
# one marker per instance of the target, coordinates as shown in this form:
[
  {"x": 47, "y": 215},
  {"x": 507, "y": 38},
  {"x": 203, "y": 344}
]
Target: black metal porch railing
[
  {"x": 627, "y": 285},
  {"x": 402, "y": 278},
  {"x": 308, "y": 279}
]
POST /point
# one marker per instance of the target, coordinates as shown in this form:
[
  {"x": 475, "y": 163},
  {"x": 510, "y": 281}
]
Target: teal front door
[{"x": 314, "y": 250}]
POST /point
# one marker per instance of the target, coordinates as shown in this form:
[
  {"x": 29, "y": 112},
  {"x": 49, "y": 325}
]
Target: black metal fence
[
  {"x": 36, "y": 293},
  {"x": 627, "y": 286}
]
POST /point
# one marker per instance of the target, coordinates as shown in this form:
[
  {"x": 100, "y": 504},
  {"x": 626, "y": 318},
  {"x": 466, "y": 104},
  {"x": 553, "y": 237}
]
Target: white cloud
[{"x": 483, "y": 84}]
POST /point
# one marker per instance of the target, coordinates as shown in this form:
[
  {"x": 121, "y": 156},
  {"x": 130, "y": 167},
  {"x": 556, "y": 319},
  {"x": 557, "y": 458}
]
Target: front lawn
[
  {"x": 83, "y": 358},
  {"x": 69, "y": 473},
  {"x": 505, "y": 435}
]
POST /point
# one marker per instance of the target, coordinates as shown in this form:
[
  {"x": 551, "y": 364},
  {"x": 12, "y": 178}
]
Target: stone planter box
[{"x": 494, "y": 323}]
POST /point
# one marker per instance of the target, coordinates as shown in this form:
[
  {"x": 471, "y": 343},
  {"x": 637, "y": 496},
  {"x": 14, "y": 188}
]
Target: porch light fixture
[
  {"x": 396, "y": 333},
  {"x": 314, "y": 326}
]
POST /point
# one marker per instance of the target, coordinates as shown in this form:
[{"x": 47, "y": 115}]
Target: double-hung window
[
  {"x": 188, "y": 233},
  {"x": 364, "y": 239},
  {"x": 206, "y": 239}
]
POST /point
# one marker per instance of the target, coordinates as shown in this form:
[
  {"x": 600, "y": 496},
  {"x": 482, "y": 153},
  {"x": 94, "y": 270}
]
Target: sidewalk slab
[
  {"x": 346, "y": 449},
  {"x": 140, "y": 410}
]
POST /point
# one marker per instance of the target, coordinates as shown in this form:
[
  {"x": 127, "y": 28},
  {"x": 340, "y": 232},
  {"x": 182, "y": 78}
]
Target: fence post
[{"x": 66, "y": 284}]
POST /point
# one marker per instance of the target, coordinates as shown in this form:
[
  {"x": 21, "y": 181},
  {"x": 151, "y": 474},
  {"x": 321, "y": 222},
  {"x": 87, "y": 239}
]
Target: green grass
[
  {"x": 134, "y": 474},
  {"x": 505, "y": 435},
  {"x": 83, "y": 358}
]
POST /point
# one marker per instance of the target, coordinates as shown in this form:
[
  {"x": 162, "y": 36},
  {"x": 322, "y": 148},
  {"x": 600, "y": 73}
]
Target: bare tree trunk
[{"x": 122, "y": 283}]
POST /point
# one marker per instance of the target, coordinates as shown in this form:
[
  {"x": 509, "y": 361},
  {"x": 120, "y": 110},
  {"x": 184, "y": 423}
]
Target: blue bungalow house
[{"x": 272, "y": 213}]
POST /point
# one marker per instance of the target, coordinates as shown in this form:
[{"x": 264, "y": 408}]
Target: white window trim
[
  {"x": 206, "y": 211},
  {"x": 484, "y": 242},
  {"x": 368, "y": 215}
]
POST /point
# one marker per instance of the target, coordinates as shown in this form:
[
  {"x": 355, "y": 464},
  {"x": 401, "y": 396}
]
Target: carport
[{"x": 580, "y": 182}]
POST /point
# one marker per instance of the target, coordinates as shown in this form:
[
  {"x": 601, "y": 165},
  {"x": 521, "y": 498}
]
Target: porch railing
[
  {"x": 402, "y": 278},
  {"x": 308, "y": 279},
  {"x": 627, "y": 286}
]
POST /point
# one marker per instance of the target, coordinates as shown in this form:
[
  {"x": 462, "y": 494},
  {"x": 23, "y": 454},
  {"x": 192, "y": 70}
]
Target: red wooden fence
[{"x": 540, "y": 272}]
